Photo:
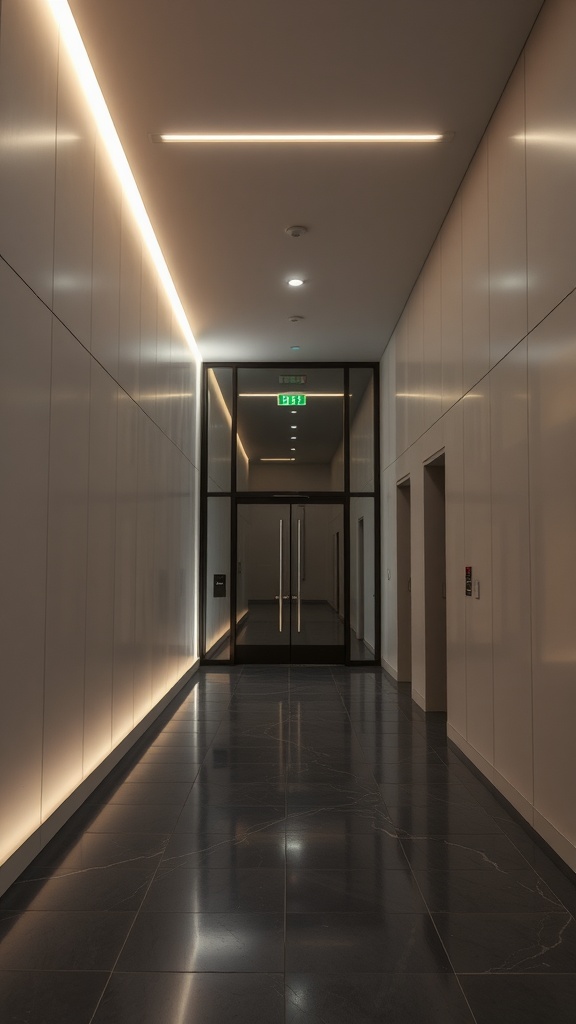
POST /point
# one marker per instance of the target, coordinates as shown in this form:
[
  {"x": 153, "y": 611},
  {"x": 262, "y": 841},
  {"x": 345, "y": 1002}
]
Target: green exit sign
[{"x": 291, "y": 399}]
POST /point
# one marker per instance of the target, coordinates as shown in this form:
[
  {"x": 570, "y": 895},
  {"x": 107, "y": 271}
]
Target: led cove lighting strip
[
  {"x": 309, "y": 394},
  {"x": 299, "y": 137},
  {"x": 88, "y": 82}
]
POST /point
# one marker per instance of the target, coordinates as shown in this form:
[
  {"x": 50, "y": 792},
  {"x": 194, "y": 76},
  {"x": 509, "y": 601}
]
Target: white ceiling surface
[{"x": 309, "y": 65}]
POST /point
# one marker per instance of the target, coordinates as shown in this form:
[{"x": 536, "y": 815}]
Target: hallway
[{"x": 290, "y": 845}]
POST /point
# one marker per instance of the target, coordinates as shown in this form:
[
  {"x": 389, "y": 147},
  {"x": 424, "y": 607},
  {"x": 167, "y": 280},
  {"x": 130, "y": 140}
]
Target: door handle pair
[{"x": 281, "y": 597}]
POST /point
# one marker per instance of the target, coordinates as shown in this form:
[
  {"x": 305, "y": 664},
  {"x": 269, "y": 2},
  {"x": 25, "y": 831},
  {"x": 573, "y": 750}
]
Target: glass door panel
[
  {"x": 263, "y": 583},
  {"x": 290, "y": 583},
  {"x": 317, "y": 623}
]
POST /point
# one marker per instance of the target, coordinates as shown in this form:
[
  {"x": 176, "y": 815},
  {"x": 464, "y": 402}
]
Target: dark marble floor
[{"x": 291, "y": 846}]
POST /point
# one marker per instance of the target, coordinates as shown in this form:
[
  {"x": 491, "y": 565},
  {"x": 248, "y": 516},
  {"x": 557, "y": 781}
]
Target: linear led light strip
[
  {"x": 345, "y": 137},
  {"x": 97, "y": 104}
]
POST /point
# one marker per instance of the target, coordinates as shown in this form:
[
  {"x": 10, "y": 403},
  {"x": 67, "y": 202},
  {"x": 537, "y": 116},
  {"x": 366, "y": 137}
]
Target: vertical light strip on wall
[{"x": 89, "y": 84}]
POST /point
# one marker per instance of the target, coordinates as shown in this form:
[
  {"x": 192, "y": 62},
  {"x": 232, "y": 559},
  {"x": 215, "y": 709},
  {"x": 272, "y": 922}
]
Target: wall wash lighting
[{"x": 89, "y": 84}]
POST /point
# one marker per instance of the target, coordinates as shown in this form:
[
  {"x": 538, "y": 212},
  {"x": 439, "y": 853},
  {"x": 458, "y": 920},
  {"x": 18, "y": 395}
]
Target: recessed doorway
[
  {"x": 404, "y": 581},
  {"x": 290, "y": 513},
  {"x": 435, "y": 583}
]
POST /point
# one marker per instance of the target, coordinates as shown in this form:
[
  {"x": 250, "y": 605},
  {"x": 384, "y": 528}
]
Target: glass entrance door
[{"x": 290, "y": 583}]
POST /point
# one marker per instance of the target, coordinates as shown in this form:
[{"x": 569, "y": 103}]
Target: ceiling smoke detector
[
  {"x": 296, "y": 230},
  {"x": 295, "y": 319}
]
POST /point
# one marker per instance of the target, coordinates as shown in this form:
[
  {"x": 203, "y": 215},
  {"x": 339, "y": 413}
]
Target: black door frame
[{"x": 313, "y": 497}]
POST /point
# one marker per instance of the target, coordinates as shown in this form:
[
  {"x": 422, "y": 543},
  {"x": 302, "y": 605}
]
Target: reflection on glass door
[{"x": 289, "y": 583}]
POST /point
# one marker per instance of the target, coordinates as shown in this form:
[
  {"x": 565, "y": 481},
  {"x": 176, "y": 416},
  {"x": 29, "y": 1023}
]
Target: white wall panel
[
  {"x": 455, "y": 563},
  {"x": 507, "y": 219},
  {"x": 125, "y": 652},
  {"x": 415, "y": 381},
  {"x": 550, "y": 141},
  {"x": 66, "y": 569},
  {"x": 552, "y": 433},
  {"x": 129, "y": 313},
  {"x": 160, "y": 582},
  {"x": 401, "y": 404},
  {"x": 511, "y": 571},
  {"x": 163, "y": 355},
  {"x": 388, "y": 404},
  {"x": 475, "y": 272},
  {"x": 28, "y": 88},
  {"x": 432, "y": 284},
  {"x": 451, "y": 247},
  {"x": 144, "y": 567},
  {"x": 74, "y": 207},
  {"x": 106, "y": 264},
  {"x": 478, "y": 554},
  {"x": 24, "y": 445},
  {"x": 148, "y": 338},
  {"x": 179, "y": 384},
  {"x": 191, "y": 564},
  {"x": 100, "y": 567}
]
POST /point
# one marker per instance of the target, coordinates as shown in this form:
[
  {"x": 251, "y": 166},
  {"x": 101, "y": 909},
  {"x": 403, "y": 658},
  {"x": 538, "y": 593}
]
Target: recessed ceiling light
[
  {"x": 294, "y": 438},
  {"x": 342, "y": 137},
  {"x": 295, "y": 282},
  {"x": 292, "y": 449}
]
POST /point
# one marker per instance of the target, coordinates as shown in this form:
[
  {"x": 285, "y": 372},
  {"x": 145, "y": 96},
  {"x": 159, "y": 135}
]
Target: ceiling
[{"x": 372, "y": 211}]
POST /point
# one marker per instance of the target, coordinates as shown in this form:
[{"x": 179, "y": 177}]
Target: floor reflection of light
[{"x": 294, "y": 845}]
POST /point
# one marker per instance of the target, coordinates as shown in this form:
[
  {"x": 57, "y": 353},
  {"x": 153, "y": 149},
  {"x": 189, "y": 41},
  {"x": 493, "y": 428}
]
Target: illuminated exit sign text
[{"x": 291, "y": 399}]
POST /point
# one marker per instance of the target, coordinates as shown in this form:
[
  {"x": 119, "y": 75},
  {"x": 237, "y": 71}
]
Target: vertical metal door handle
[
  {"x": 281, "y": 578},
  {"x": 299, "y": 573}
]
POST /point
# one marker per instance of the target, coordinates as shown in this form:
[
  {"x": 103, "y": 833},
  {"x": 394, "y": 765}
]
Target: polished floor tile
[
  {"x": 208, "y": 998},
  {"x": 349, "y": 998},
  {"x": 113, "y": 887},
  {"x": 371, "y": 852},
  {"x": 291, "y": 846},
  {"x": 205, "y": 942},
  {"x": 515, "y": 943},
  {"x": 62, "y": 940},
  {"x": 50, "y": 997},
  {"x": 200, "y": 889},
  {"x": 487, "y": 890},
  {"x": 521, "y": 998},
  {"x": 345, "y": 890},
  {"x": 377, "y": 941}
]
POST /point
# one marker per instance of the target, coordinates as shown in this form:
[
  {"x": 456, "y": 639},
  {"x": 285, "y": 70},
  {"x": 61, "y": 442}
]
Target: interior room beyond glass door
[{"x": 290, "y": 583}]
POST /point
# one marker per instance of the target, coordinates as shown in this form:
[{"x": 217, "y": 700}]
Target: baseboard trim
[
  {"x": 389, "y": 669},
  {"x": 31, "y": 847},
  {"x": 555, "y": 846}
]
